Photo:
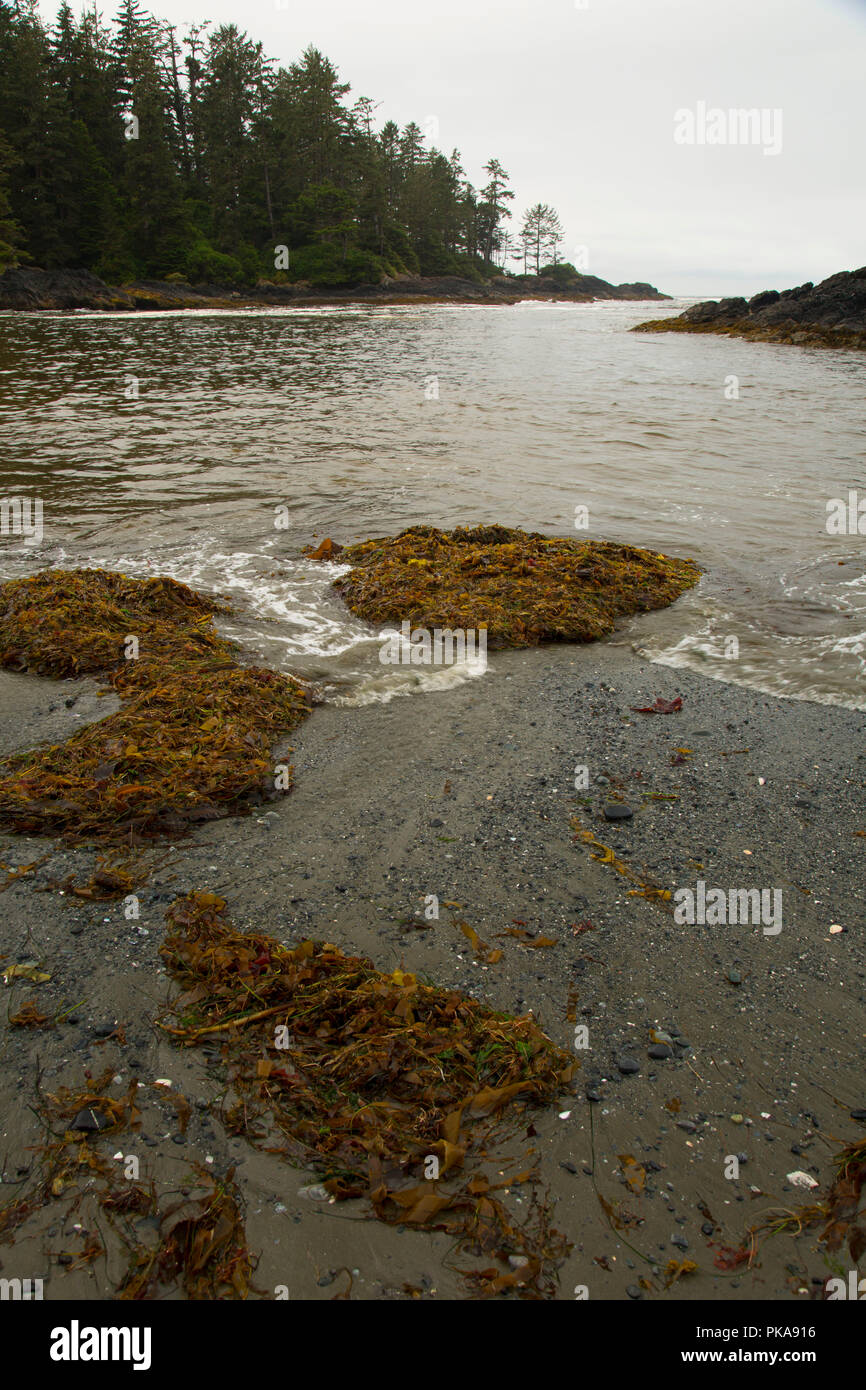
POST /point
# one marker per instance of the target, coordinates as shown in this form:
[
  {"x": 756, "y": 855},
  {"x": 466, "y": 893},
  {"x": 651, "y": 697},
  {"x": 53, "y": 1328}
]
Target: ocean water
[{"x": 214, "y": 445}]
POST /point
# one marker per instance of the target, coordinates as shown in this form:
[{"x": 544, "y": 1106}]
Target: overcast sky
[{"x": 578, "y": 98}]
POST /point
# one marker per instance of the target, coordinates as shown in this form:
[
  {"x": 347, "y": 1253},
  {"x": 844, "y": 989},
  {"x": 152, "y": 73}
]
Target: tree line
[{"x": 136, "y": 151}]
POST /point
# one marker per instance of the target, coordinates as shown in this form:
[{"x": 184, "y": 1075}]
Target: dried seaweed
[
  {"x": 524, "y": 588},
  {"x": 840, "y": 1211},
  {"x": 75, "y": 622},
  {"x": 192, "y": 739},
  {"x": 383, "y": 1085},
  {"x": 195, "y": 1244}
]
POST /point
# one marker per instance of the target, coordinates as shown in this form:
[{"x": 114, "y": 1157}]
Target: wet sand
[{"x": 469, "y": 794}]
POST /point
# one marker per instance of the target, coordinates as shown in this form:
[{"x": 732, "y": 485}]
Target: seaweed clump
[
  {"x": 192, "y": 738},
  {"x": 522, "y": 587},
  {"x": 391, "y": 1089}
]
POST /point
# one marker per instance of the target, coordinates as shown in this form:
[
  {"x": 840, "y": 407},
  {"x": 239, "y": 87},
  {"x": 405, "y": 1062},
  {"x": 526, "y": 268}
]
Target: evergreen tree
[{"x": 135, "y": 150}]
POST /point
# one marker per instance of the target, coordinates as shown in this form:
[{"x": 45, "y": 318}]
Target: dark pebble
[
  {"x": 627, "y": 1065},
  {"x": 633, "y": 1291},
  {"x": 90, "y": 1120},
  {"x": 617, "y": 810},
  {"x": 660, "y": 1051}
]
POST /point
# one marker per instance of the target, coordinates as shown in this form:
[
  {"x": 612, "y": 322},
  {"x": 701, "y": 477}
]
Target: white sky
[{"x": 578, "y": 104}]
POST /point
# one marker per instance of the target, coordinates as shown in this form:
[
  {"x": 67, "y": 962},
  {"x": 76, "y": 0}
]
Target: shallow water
[{"x": 361, "y": 421}]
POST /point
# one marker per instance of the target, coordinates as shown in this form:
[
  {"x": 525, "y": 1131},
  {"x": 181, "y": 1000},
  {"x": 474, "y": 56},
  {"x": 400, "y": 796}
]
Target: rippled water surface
[{"x": 361, "y": 421}]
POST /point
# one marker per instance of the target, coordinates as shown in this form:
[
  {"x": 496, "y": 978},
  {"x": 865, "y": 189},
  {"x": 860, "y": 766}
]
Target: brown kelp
[
  {"x": 190, "y": 1242},
  {"x": 839, "y": 1211},
  {"x": 192, "y": 738},
  {"x": 524, "y": 588},
  {"x": 391, "y": 1089}
]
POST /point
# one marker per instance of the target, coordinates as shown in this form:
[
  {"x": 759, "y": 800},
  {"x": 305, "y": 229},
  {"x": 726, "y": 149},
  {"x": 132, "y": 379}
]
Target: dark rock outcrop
[
  {"x": 832, "y": 314},
  {"x": 31, "y": 289}
]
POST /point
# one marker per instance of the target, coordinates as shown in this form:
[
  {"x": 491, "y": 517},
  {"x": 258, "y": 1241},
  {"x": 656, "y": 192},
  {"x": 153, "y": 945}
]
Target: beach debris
[
  {"x": 391, "y": 1090},
  {"x": 801, "y": 1179},
  {"x": 26, "y": 970},
  {"x": 195, "y": 1245},
  {"x": 191, "y": 741},
  {"x": 661, "y": 707},
  {"x": 19, "y": 871},
  {"x": 521, "y": 587},
  {"x": 482, "y": 951},
  {"x": 675, "y": 1269},
  {"x": 840, "y": 1212},
  {"x": 604, "y": 854},
  {"x": 29, "y": 1016},
  {"x": 526, "y": 938},
  {"x": 326, "y": 550},
  {"x": 634, "y": 1174}
]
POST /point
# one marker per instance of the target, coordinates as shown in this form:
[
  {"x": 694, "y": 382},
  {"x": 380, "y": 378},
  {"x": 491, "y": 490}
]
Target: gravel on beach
[{"x": 705, "y": 1042}]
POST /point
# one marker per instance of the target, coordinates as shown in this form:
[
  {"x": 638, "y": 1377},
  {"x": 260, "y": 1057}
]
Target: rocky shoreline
[
  {"x": 29, "y": 289},
  {"x": 831, "y": 314}
]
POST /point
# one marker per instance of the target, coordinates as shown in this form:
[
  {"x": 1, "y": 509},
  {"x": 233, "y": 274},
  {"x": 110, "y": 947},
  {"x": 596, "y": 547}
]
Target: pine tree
[{"x": 135, "y": 151}]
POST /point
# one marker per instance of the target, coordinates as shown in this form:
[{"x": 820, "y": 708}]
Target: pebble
[
  {"x": 617, "y": 811},
  {"x": 633, "y": 1291},
  {"x": 627, "y": 1065},
  {"x": 660, "y": 1051},
  {"x": 90, "y": 1120},
  {"x": 801, "y": 1179}
]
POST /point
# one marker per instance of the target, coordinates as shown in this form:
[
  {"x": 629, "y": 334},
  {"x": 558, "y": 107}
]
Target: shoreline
[
  {"x": 470, "y": 795},
  {"x": 829, "y": 315},
  {"x": 30, "y": 291}
]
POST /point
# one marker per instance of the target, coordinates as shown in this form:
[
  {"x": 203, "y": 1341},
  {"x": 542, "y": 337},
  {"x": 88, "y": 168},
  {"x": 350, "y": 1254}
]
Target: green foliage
[
  {"x": 564, "y": 274},
  {"x": 227, "y": 158},
  {"x": 326, "y": 266},
  {"x": 206, "y": 266}
]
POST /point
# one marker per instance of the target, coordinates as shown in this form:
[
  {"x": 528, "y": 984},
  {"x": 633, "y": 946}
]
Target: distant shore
[{"x": 32, "y": 289}]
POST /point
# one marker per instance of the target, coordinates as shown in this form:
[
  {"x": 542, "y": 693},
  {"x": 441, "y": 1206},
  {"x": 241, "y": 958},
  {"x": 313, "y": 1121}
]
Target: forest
[{"x": 136, "y": 151}]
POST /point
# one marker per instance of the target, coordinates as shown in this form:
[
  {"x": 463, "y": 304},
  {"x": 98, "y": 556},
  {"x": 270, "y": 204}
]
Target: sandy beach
[{"x": 469, "y": 794}]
